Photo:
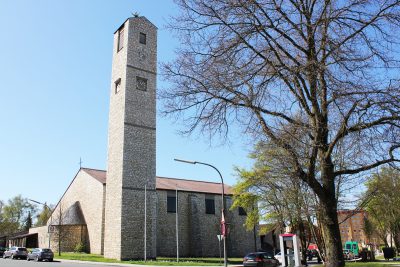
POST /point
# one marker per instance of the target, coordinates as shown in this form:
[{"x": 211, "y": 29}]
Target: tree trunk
[
  {"x": 303, "y": 240},
  {"x": 384, "y": 240},
  {"x": 330, "y": 229},
  {"x": 59, "y": 241},
  {"x": 396, "y": 238}
]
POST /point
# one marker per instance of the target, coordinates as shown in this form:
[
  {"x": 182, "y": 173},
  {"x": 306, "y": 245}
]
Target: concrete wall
[
  {"x": 197, "y": 230},
  {"x": 89, "y": 193},
  {"x": 43, "y": 236}
]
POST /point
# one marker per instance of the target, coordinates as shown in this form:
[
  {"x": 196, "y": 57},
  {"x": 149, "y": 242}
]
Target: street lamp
[
  {"x": 51, "y": 215},
  {"x": 223, "y": 221}
]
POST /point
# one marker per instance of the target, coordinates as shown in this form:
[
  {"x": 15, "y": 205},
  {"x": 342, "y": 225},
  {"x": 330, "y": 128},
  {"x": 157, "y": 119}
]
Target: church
[{"x": 127, "y": 212}]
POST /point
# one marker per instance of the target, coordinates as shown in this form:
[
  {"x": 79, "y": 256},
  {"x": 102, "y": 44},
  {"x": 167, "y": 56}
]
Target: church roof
[
  {"x": 72, "y": 216},
  {"x": 191, "y": 185},
  {"x": 99, "y": 175},
  {"x": 164, "y": 183}
]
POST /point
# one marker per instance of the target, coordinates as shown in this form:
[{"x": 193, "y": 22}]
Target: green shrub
[{"x": 79, "y": 248}]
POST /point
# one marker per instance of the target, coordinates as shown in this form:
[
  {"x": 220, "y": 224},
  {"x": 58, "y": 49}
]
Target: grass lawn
[
  {"x": 164, "y": 261},
  {"x": 372, "y": 264},
  {"x": 160, "y": 260}
]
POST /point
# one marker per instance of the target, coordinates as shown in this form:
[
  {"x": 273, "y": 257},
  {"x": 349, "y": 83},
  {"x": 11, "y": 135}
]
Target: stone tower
[{"x": 132, "y": 143}]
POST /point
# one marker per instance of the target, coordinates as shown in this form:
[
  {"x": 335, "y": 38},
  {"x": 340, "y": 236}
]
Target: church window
[
  {"x": 141, "y": 83},
  {"x": 120, "y": 39},
  {"x": 242, "y": 211},
  {"x": 210, "y": 204},
  {"x": 171, "y": 202},
  {"x": 228, "y": 202},
  {"x": 142, "y": 38},
  {"x": 117, "y": 85}
]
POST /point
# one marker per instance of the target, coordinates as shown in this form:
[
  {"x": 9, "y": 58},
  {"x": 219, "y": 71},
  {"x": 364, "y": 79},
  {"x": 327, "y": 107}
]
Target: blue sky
[{"x": 55, "y": 71}]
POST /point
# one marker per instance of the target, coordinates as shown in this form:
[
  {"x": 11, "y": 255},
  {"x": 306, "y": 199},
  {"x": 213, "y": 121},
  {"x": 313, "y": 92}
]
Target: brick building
[
  {"x": 116, "y": 212},
  {"x": 352, "y": 226}
]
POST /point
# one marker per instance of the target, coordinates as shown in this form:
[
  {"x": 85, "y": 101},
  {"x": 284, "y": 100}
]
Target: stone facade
[
  {"x": 88, "y": 193},
  {"x": 131, "y": 143},
  {"x": 70, "y": 237},
  {"x": 197, "y": 230}
]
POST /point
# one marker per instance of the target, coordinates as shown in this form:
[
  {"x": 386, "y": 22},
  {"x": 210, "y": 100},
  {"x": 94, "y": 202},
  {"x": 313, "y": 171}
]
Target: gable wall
[{"x": 89, "y": 192}]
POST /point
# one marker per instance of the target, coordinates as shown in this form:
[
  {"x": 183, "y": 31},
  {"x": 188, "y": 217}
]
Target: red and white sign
[{"x": 223, "y": 225}]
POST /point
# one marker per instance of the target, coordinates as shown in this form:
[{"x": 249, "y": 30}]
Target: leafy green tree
[
  {"x": 282, "y": 199},
  {"x": 28, "y": 222},
  {"x": 7, "y": 227},
  {"x": 383, "y": 204},
  {"x": 15, "y": 214},
  {"x": 43, "y": 216}
]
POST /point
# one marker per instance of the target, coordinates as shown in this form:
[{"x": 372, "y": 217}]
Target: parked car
[
  {"x": 15, "y": 253},
  {"x": 348, "y": 254},
  {"x": 260, "y": 259},
  {"x": 39, "y": 254},
  {"x": 2, "y": 251},
  {"x": 278, "y": 256}
]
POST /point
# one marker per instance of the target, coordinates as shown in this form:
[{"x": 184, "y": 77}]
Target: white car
[{"x": 278, "y": 256}]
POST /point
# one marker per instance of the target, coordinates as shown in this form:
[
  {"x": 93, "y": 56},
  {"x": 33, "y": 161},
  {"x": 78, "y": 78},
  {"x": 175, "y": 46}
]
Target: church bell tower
[{"x": 130, "y": 208}]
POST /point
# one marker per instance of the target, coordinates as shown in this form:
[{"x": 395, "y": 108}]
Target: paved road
[
  {"x": 24, "y": 263},
  {"x": 66, "y": 263},
  {"x": 16, "y": 263}
]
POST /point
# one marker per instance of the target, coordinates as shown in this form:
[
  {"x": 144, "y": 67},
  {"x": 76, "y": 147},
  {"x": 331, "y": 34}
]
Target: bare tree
[
  {"x": 261, "y": 63},
  {"x": 60, "y": 231}
]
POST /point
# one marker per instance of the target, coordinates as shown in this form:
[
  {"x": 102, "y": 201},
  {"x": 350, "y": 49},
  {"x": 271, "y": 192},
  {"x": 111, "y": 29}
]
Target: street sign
[{"x": 51, "y": 229}]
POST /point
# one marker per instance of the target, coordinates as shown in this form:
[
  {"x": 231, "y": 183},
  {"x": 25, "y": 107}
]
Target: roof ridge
[
  {"x": 84, "y": 168},
  {"x": 191, "y": 180},
  {"x": 163, "y": 177}
]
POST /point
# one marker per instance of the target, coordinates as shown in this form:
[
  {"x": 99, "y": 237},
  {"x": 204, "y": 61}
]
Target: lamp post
[
  {"x": 51, "y": 215},
  {"x": 223, "y": 221}
]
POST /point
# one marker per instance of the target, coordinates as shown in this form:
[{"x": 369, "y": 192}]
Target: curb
[{"x": 133, "y": 265}]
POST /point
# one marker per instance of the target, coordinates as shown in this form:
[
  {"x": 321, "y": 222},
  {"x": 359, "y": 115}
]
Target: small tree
[
  {"x": 60, "y": 233},
  {"x": 282, "y": 199},
  {"x": 28, "y": 222},
  {"x": 383, "y": 204},
  {"x": 43, "y": 216}
]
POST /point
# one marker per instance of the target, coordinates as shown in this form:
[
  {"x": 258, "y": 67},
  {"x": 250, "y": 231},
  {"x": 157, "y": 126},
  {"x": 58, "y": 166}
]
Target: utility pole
[
  {"x": 177, "y": 225},
  {"x": 145, "y": 223},
  {"x": 223, "y": 219}
]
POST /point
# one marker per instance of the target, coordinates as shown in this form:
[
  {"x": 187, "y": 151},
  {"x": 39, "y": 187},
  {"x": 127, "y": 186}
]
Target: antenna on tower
[{"x": 80, "y": 163}]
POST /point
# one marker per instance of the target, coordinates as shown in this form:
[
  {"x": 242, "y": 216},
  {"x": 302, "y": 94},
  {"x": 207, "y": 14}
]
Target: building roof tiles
[{"x": 164, "y": 183}]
